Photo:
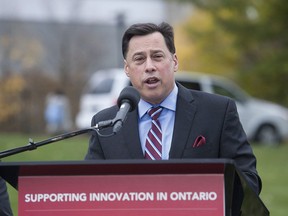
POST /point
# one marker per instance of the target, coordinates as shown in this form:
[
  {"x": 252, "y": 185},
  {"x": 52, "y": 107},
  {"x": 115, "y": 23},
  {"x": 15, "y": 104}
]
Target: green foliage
[
  {"x": 257, "y": 47},
  {"x": 202, "y": 45}
]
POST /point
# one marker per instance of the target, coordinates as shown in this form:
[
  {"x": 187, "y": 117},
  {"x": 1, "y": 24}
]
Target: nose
[{"x": 150, "y": 67}]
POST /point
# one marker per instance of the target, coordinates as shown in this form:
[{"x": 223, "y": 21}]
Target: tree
[
  {"x": 202, "y": 46},
  {"x": 256, "y": 33},
  {"x": 10, "y": 100},
  {"x": 48, "y": 54}
]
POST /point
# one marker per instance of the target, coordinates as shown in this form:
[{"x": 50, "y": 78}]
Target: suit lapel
[
  {"x": 131, "y": 135},
  {"x": 185, "y": 112}
]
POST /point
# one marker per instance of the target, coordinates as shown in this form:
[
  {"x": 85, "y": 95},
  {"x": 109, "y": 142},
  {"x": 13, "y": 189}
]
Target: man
[
  {"x": 5, "y": 209},
  {"x": 193, "y": 124}
]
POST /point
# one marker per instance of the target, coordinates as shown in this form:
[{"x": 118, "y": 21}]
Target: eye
[
  {"x": 158, "y": 56},
  {"x": 139, "y": 58}
]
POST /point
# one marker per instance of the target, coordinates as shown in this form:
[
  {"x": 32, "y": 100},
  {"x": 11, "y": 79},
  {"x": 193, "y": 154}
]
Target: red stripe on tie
[{"x": 153, "y": 145}]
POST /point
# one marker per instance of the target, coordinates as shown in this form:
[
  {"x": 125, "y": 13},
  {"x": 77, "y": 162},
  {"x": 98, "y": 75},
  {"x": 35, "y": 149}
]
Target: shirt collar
[{"x": 168, "y": 103}]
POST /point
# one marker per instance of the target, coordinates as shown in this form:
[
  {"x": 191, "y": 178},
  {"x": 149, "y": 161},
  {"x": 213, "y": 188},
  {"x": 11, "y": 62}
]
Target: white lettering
[
  {"x": 59, "y": 197},
  {"x": 131, "y": 196},
  {"x": 200, "y": 196}
]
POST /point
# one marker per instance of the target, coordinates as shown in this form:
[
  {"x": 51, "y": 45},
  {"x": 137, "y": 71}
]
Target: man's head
[
  {"x": 150, "y": 60},
  {"x": 148, "y": 28}
]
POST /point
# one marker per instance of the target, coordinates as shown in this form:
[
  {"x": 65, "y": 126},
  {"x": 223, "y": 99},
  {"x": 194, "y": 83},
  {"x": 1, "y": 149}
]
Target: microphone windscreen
[{"x": 131, "y": 95}]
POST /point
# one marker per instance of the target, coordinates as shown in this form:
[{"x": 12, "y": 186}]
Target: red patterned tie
[{"x": 153, "y": 146}]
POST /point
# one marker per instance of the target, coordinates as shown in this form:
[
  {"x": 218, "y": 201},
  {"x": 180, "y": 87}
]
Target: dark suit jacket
[
  {"x": 197, "y": 113},
  {"x": 5, "y": 209}
]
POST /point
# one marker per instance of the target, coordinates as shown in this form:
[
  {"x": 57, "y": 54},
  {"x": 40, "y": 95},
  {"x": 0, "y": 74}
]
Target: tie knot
[{"x": 155, "y": 112}]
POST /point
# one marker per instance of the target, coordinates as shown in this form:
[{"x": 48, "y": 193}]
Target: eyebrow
[
  {"x": 152, "y": 51},
  {"x": 138, "y": 53}
]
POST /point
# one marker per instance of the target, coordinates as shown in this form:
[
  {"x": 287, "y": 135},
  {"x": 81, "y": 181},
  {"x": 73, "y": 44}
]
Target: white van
[{"x": 263, "y": 121}]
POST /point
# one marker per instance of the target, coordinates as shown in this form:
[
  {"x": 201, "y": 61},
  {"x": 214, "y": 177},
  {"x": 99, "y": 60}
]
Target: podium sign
[
  {"x": 109, "y": 195},
  {"x": 131, "y": 187}
]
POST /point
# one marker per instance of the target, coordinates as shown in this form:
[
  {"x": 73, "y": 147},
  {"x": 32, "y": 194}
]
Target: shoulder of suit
[
  {"x": 196, "y": 94},
  {"x": 105, "y": 114}
]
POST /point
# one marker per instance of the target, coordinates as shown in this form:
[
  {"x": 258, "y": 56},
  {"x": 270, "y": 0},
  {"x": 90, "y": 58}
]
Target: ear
[
  {"x": 175, "y": 60},
  {"x": 126, "y": 68}
]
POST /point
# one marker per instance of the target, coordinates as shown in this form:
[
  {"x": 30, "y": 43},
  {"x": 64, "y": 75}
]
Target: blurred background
[{"x": 50, "y": 48}]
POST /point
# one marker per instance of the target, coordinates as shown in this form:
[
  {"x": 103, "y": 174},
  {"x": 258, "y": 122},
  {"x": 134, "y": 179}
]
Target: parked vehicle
[{"x": 264, "y": 122}]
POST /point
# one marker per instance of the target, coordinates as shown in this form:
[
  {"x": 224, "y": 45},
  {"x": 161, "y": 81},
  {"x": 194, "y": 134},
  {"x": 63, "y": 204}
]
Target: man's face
[{"x": 150, "y": 67}]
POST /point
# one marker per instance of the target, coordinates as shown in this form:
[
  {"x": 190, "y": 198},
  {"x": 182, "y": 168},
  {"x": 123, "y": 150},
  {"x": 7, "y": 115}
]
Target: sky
[{"x": 84, "y": 10}]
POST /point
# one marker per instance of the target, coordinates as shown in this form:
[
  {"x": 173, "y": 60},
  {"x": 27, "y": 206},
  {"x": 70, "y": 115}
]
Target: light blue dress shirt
[{"x": 167, "y": 119}]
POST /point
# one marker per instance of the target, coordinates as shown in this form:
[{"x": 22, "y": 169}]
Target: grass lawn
[
  {"x": 272, "y": 165},
  {"x": 69, "y": 149},
  {"x": 273, "y": 169}
]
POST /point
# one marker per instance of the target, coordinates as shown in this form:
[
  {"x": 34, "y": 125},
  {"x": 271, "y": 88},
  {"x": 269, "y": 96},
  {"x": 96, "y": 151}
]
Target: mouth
[{"x": 151, "y": 80}]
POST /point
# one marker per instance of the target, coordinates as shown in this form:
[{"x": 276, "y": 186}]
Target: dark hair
[{"x": 148, "y": 28}]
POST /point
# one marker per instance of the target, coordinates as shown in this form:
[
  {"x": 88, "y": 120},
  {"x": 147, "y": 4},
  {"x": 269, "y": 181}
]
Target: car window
[
  {"x": 104, "y": 86},
  {"x": 237, "y": 96},
  {"x": 190, "y": 85}
]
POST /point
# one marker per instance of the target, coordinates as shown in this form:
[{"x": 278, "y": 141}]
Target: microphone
[{"x": 127, "y": 102}]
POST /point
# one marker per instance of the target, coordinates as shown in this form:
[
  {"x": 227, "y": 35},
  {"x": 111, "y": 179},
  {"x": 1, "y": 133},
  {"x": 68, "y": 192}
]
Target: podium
[{"x": 131, "y": 187}]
